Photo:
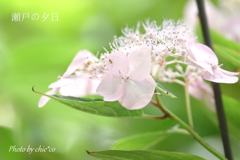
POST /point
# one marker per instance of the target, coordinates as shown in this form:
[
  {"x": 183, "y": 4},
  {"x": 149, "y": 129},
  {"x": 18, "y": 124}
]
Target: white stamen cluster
[{"x": 166, "y": 40}]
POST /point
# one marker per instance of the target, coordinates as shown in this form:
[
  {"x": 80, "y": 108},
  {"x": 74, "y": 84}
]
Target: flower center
[{"x": 124, "y": 79}]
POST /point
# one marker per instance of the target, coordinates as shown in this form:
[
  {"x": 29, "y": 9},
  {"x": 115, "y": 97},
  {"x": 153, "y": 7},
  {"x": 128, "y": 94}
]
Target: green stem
[
  {"x": 178, "y": 130},
  {"x": 190, "y": 130},
  {"x": 188, "y": 106}
]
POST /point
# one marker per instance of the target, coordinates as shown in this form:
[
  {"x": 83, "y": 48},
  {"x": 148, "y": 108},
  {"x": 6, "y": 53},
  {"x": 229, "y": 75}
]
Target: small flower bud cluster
[{"x": 165, "y": 40}]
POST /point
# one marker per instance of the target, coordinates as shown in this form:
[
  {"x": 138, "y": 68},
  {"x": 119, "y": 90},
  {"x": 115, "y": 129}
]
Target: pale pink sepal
[
  {"x": 44, "y": 99},
  {"x": 138, "y": 93},
  {"x": 128, "y": 79},
  {"x": 204, "y": 58},
  {"x": 77, "y": 61},
  {"x": 63, "y": 81},
  {"x": 140, "y": 62},
  {"x": 111, "y": 87},
  {"x": 221, "y": 76},
  {"x": 81, "y": 86},
  {"x": 118, "y": 64},
  {"x": 201, "y": 90}
]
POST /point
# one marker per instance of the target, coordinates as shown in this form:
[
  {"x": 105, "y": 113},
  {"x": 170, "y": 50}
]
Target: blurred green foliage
[{"x": 35, "y": 53}]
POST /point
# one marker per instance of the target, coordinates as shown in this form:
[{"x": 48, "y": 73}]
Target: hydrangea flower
[
  {"x": 128, "y": 79},
  {"x": 73, "y": 85},
  {"x": 201, "y": 90},
  {"x": 202, "y": 56},
  {"x": 223, "y": 17},
  {"x": 127, "y": 73}
]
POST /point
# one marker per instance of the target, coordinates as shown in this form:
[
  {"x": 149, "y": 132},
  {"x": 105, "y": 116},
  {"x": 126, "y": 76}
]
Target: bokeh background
[{"x": 33, "y": 52}]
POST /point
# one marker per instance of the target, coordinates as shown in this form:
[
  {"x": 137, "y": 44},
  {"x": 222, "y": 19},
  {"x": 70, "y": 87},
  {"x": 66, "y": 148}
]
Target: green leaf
[
  {"x": 144, "y": 140},
  {"x": 96, "y": 106},
  {"x": 142, "y": 155},
  {"x": 229, "y": 55},
  {"x": 140, "y": 141},
  {"x": 164, "y": 91},
  {"x": 223, "y": 41},
  {"x": 232, "y": 109}
]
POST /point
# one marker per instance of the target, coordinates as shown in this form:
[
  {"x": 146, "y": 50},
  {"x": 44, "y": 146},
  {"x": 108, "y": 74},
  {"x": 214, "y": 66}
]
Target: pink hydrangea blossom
[
  {"x": 232, "y": 28},
  {"x": 224, "y": 17},
  {"x": 125, "y": 72},
  {"x": 215, "y": 17},
  {"x": 204, "y": 58},
  {"x": 200, "y": 90},
  {"x": 73, "y": 85},
  {"x": 128, "y": 79}
]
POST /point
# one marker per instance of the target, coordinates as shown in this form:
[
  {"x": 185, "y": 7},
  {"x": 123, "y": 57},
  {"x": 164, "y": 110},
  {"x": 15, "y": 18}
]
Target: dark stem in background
[{"x": 216, "y": 87}]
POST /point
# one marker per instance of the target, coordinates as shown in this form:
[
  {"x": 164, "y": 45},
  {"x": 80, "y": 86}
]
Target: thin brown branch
[
  {"x": 157, "y": 105},
  {"x": 163, "y": 117},
  {"x": 154, "y": 103},
  {"x": 161, "y": 108}
]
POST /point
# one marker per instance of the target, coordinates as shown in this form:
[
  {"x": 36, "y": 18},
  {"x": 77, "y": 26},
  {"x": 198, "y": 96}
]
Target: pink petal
[
  {"x": 77, "y": 61},
  {"x": 201, "y": 66},
  {"x": 221, "y": 76},
  {"x": 199, "y": 88},
  {"x": 118, "y": 64},
  {"x": 111, "y": 87},
  {"x": 195, "y": 91},
  {"x": 228, "y": 73},
  {"x": 202, "y": 55},
  {"x": 62, "y": 82},
  {"x": 140, "y": 63},
  {"x": 94, "y": 84},
  {"x": 138, "y": 93},
  {"x": 43, "y": 100},
  {"x": 80, "y": 87}
]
